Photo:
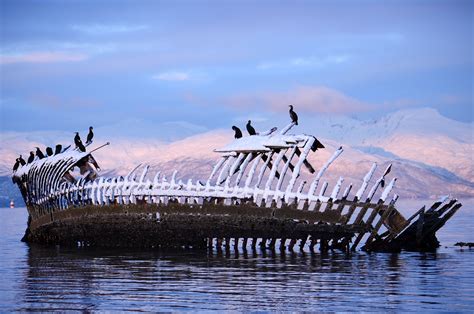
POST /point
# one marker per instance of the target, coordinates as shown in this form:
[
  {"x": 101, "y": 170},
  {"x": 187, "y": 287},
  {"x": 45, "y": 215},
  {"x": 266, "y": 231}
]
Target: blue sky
[{"x": 69, "y": 64}]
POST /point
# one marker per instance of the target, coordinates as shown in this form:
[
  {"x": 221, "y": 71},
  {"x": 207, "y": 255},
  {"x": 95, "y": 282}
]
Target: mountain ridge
[{"x": 434, "y": 151}]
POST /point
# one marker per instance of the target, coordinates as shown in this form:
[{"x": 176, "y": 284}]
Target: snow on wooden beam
[
  {"x": 251, "y": 172},
  {"x": 224, "y": 169},
  {"x": 243, "y": 166},
  {"x": 234, "y": 168},
  {"x": 273, "y": 172},
  {"x": 337, "y": 188},
  {"x": 285, "y": 167},
  {"x": 365, "y": 183},
  {"x": 388, "y": 189},
  {"x": 315, "y": 182},
  {"x": 296, "y": 171},
  {"x": 378, "y": 183},
  {"x": 259, "y": 143},
  {"x": 217, "y": 167},
  {"x": 263, "y": 168},
  {"x": 287, "y": 128}
]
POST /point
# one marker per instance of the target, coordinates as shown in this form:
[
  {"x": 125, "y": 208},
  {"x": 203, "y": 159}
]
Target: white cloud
[
  {"x": 311, "y": 61},
  {"x": 308, "y": 98},
  {"x": 100, "y": 29},
  {"x": 172, "y": 76},
  {"x": 42, "y": 57}
]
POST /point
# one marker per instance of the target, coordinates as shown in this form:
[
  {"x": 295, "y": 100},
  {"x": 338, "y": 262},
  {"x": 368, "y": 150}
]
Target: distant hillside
[
  {"x": 8, "y": 192},
  {"x": 432, "y": 155}
]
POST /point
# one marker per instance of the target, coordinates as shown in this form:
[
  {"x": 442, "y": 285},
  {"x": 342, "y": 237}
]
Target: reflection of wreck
[{"x": 254, "y": 192}]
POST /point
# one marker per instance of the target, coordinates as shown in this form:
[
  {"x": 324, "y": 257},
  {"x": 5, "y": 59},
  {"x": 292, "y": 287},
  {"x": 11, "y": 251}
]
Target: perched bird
[
  {"x": 293, "y": 115},
  {"x": 17, "y": 164},
  {"x": 77, "y": 139},
  {"x": 58, "y": 149},
  {"x": 31, "y": 158},
  {"x": 81, "y": 147},
  {"x": 39, "y": 153},
  {"x": 250, "y": 128},
  {"x": 22, "y": 161},
  {"x": 90, "y": 136},
  {"x": 238, "y": 133},
  {"x": 49, "y": 151}
]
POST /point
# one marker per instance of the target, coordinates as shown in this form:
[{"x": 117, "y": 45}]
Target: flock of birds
[
  {"x": 251, "y": 129},
  {"x": 81, "y": 147},
  {"x": 58, "y": 149}
]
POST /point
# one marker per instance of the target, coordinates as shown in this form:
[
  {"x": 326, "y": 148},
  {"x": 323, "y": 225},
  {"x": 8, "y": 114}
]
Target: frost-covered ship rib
[{"x": 255, "y": 191}]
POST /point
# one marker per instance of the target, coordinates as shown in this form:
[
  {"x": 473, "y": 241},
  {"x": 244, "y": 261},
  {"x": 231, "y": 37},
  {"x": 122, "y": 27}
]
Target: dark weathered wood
[
  {"x": 302, "y": 243},
  {"x": 323, "y": 247},
  {"x": 244, "y": 243},
  {"x": 193, "y": 225},
  {"x": 305, "y": 162},
  {"x": 441, "y": 221},
  {"x": 313, "y": 244},
  {"x": 419, "y": 227},
  {"x": 378, "y": 226},
  {"x": 443, "y": 209},
  {"x": 341, "y": 205},
  {"x": 270, "y": 165},
  {"x": 317, "y": 206},
  {"x": 291, "y": 166},
  {"x": 352, "y": 208},
  {"x": 328, "y": 206},
  {"x": 369, "y": 222},
  {"x": 254, "y": 243},
  {"x": 291, "y": 245},
  {"x": 272, "y": 244}
]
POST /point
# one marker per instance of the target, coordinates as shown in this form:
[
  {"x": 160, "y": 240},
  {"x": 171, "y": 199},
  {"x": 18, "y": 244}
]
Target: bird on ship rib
[
  {"x": 90, "y": 136},
  {"x": 78, "y": 142},
  {"x": 77, "y": 139},
  {"x": 49, "y": 151},
  {"x": 238, "y": 132},
  {"x": 22, "y": 161},
  {"x": 31, "y": 158},
  {"x": 293, "y": 116},
  {"x": 39, "y": 153},
  {"x": 17, "y": 164},
  {"x": 250, "y": 129},
  {"x": 58, "y": 149}
]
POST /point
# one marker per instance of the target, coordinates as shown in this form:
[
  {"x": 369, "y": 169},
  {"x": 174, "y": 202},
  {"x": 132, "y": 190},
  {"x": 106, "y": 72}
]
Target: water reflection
[
  {"x": 90, "y": 279},
  {"x": 52, "y": 278}
]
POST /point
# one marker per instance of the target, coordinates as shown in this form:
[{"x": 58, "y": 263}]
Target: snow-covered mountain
[{"x": 432, "y": 155}]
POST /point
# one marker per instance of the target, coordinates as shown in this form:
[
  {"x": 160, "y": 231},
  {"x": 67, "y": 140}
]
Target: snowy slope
[{"x": 432, "y": 155}]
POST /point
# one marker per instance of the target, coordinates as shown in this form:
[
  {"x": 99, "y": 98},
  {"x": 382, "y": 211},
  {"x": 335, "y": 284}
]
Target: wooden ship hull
[{"x": 253, "y": 197}]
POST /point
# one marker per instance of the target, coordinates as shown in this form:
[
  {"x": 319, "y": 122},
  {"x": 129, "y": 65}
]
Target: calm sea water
[{"x": 40, "y": 278}]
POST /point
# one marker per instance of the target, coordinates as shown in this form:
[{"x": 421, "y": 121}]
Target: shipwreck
[{"x": 254, "y": 196}]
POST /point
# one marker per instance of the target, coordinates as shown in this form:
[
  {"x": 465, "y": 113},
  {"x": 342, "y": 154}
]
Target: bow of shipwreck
[{"x": 254, "y": 196}]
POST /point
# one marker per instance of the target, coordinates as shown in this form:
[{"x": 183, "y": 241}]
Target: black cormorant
[
  {"x": 22, "y": 161},
  {"x": 293, "y": 115},
  {"x": 250, "y": 128},
  {"x": 238, "y": 133},
  {"x": 31, "y": 158},
  {"x": 77, "y": 139},
  {"x": 17, "y": 164},
  {"x": 81, "y": 147},
  {"x": 39, "y": 153},
  {"x": 49, "y": 151},
  {"x": 90, "y": 136},
  {"x": 58, "y": 149}
]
